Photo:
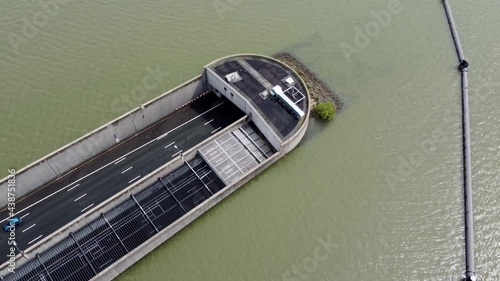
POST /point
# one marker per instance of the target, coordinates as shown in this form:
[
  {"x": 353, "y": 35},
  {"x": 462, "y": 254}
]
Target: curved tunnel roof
[{"x": 254, "y": 76}]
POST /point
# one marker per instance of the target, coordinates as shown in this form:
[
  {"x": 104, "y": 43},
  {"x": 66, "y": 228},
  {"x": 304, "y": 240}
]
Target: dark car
[{"x": 14, "y": 221}]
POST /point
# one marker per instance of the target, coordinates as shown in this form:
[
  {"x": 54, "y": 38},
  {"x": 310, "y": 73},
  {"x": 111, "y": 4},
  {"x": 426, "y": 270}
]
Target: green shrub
[{"x": 325, "y": 110}]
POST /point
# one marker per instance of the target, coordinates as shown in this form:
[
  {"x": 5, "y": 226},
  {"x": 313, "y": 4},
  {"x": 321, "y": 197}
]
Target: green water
[{"x": 391, "y": 206}]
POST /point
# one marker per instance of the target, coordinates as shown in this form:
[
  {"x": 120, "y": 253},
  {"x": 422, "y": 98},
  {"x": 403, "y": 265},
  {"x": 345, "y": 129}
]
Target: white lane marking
[
  {"x": 160, "y": 137},
  {"x": 80, "y": 197},
  {"x": 128, "y": 169},
  {"x": 180, "y": 151},
  {"x": 86, "y": 208},
  {"x": 29, "y": 227},
  {"x": 54, "y": 193},
  {"x": 119, "y": 160},
  {"x": 24, "y": 215},
  {"x": 134, "y": 179},
  {"x": 73, "y": 187},
  {"x": 216, "y": 130},
  {"x": 35, "y": 239},
  {"x": 209, "y": 122},
  {"x": 169, "y": 145}
]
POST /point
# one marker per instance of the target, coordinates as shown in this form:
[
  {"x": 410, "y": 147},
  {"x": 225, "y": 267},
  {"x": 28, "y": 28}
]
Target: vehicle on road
[{"x": 14, "y": 221}]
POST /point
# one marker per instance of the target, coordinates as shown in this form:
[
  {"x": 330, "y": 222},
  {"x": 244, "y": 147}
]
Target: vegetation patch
[{"x": 325, "y": 110}]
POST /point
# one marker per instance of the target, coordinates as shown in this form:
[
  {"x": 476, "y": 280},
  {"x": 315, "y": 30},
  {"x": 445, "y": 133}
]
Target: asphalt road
[{"x": 61, "y": 201}]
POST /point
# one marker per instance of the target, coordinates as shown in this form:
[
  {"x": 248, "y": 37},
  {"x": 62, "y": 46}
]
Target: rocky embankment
[{"x": 318, "y": 90}]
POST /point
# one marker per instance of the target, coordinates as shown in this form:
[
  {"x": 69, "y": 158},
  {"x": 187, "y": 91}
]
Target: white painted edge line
[
  {"x": 198, "y": 116},
  {"x": 170, "y": 145},
  {"x": 29, "y": 227},
  {"x": 73, "y": 187},
  {"x": 209, "y": 122},
  {"x": 35, "y": 239},
  {"x": 216, "y": 130},
  {"x": 119, "y": 160},
  {"x": 80, "y": 197},
  {"x": 128, "y": 169},
  {"x": 86, "y": 208},
  {"x": 24, "y": 215},
  {"x": 134, "y": 179},
  {"x": 52, "y": 194},
  {"x": 177, "y": 153}
]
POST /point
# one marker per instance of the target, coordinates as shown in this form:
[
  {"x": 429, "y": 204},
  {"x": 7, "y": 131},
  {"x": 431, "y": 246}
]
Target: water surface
[{"x": 383, "y": 182}]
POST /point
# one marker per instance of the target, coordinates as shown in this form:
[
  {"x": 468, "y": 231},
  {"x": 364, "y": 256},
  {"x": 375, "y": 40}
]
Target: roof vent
[
  {"x": 289, "y": 81},
  {"x": 233, "y": 77}
]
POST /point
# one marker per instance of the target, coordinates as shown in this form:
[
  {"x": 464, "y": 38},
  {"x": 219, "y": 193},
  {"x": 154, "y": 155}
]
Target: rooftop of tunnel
[{"x": 254, "y": 76}]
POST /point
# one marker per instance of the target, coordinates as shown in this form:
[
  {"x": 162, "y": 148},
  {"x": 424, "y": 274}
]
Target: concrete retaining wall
[
  {"x": 162, "y": 106},
  {"x": 101, "y": 139},
  {"x": 38, "y": 172}
]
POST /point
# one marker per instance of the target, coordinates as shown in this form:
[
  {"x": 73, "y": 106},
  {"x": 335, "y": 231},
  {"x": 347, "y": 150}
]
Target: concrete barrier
[
  {"x": 41, "y": 171},
  {"x": 74, "y": 154},
  {"x": 162, "y": 106}
]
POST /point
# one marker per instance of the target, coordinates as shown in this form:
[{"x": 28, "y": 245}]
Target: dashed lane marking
[
  {"x": 80, "y": 197},
  {"x": 126, "y": 170},
  {"x": 29, "y": 227},
  {"x": 73, "y": 187},
  {"x": 170, "y": 145},
  {"x": 86, "y": 208},
  {"x": 35, "y": 239},
  {"x": 134, "y": 179}
]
